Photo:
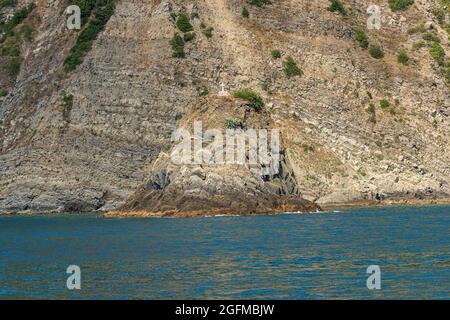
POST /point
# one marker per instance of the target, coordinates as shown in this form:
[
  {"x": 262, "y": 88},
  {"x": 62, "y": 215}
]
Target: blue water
[{"x": 318, "y": 256}]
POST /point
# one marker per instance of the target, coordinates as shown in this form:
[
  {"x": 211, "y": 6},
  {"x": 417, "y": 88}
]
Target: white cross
[{"x": 222, "y": 91}]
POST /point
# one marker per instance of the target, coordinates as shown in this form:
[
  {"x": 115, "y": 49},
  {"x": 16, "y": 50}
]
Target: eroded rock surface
[{"x": 130, "y": 94}]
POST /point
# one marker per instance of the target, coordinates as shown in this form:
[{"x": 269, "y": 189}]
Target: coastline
[
  {"x": 389, "y": 202},
  {"x": 324, "y": 208}
]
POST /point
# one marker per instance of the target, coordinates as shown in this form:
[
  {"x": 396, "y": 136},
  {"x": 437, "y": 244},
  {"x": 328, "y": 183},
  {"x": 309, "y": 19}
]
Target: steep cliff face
[{"x": 352, "y": 126}]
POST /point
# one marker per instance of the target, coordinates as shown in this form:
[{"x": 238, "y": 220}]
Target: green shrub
[
  {"x": 233, "y": 123},
  {"x": 27, "y": 32},
  {"x": 361, "y": 37},
  {"x": 204, "y": 92},
  {"x": 208, "y": 32},
  {"x": 67, "y": 105},
  {"x": 189, "y": 36},
  {"x": 254, "y": 100},
  {"x": 291, "y": 69},
  {"x": 384, "y": 104},
  {"x": 402, "y": 57},
  {"x": 307, "y": 147},
  {"x": 3, "y": 92},
  {"x": 7, "y": 3},
  {"x": 376, "y": 52},
  {"x": 259, "y": 3},
  {"x": 336, "y": 5},
  {"x": 276, "y": 54},
  {"x": 438, "y": 53},
  {"x": 103, "y": 10},
  {"x": 183, "y": 23},
  {"x": 371, "y": 110},
  {"x": 10, "y": 47},
  {"x": 86, "y": 8},
  {"x": 245, "y": 12},
  {"x": 431, "y": 37},
  {"x": 418, "y": 45},
  {"x": 400, "y": 5},
  {"x": 177, "y": 44},
  {"x": 18, "y": 17},
  {"x": 439, "y": 14},
  {"x": 12, "y": 68},
  {"x": 418, "y": 29}
]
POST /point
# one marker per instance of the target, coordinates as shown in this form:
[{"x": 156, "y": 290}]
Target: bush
[
  {"x": 67, "y": 105},
  {"x": 3, "y": 92},
  {"x": 384, "y": 104},
  {"x": 177, "y": 44},
  {"x": 86, "y": 8},
  {"x": 254, "y": 101},
  {"x": 376, "y": 52},
  {"x": 245, "y": 12},
  {"x": 336, "y": 5},
  {"x": 183, "y": 23},
  {"x": 18, "y": 17},
  {"x": 259, "y": 3},
  {"x": 27, "y": 32},
  {"x": 400, "y": 5},
  {"x": 419, "y": 29},
  {"x": 189, "y": 36},
  {"x": 233, "y": 123},
  {"x": 7, "y": 3},
  {"x": 361, "y": 37},
  {"x": 208, "y": 32},
  {"x": 12, "y": 68},
  {"x": 402, "y": 57},
  {"x": 439, "y": 14},
  {"x": 10, "y": 47},
  {"x": 291, "y": 69},
  {"x": 438, "y": 53},
  {"x": 419, "y": 45},
  {"x": 103, "y": 10},
  {"x": 431, "y": 37},
  {"x": 276, "y": 54}
]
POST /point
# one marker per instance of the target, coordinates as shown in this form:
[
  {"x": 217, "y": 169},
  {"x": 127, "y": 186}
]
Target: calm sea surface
[{"x": 293, "y": 256}]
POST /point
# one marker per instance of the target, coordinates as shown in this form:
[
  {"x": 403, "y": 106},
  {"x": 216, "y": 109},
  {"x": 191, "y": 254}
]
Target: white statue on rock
[{"x": 223, "y": 92}]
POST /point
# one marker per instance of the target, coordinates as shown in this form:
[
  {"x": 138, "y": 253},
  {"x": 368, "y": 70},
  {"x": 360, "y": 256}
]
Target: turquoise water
[{"x": 254, "y": 257}]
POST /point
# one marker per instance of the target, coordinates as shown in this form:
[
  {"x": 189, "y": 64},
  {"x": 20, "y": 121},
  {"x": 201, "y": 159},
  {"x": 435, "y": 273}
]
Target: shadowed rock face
[{"x": 111, "y": 150}]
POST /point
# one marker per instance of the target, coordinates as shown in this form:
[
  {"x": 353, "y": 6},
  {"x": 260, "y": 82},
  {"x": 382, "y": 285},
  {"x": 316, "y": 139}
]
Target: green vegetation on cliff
[
  {"x": 183, "y": 23},
  {"x": 95, "y": 23},
  {"x": 11, "y": 41},
  {"x": 337, "y": 6},
  {"x": 291, "y": 69},
  {"x": 400, "y": 5},
  {"x": 254, "y": 100}
]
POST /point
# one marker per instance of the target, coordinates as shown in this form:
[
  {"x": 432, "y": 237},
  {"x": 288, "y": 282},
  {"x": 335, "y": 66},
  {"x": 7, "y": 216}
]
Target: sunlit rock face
[{"x": 130, "y": 94}]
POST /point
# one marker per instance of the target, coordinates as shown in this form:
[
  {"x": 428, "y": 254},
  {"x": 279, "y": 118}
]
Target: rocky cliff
[{"x": 363, "y": 114}]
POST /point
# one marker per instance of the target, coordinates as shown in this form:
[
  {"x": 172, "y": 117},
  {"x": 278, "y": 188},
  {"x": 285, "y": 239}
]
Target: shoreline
[
  {"x": 389, "y": 202},
  {"x": 407, "y": 202}
]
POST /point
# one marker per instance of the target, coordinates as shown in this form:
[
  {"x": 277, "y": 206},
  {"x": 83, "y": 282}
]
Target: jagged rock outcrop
[
  {"x": 130, "y": 94},
  {"x": 178, "y": 188}
]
